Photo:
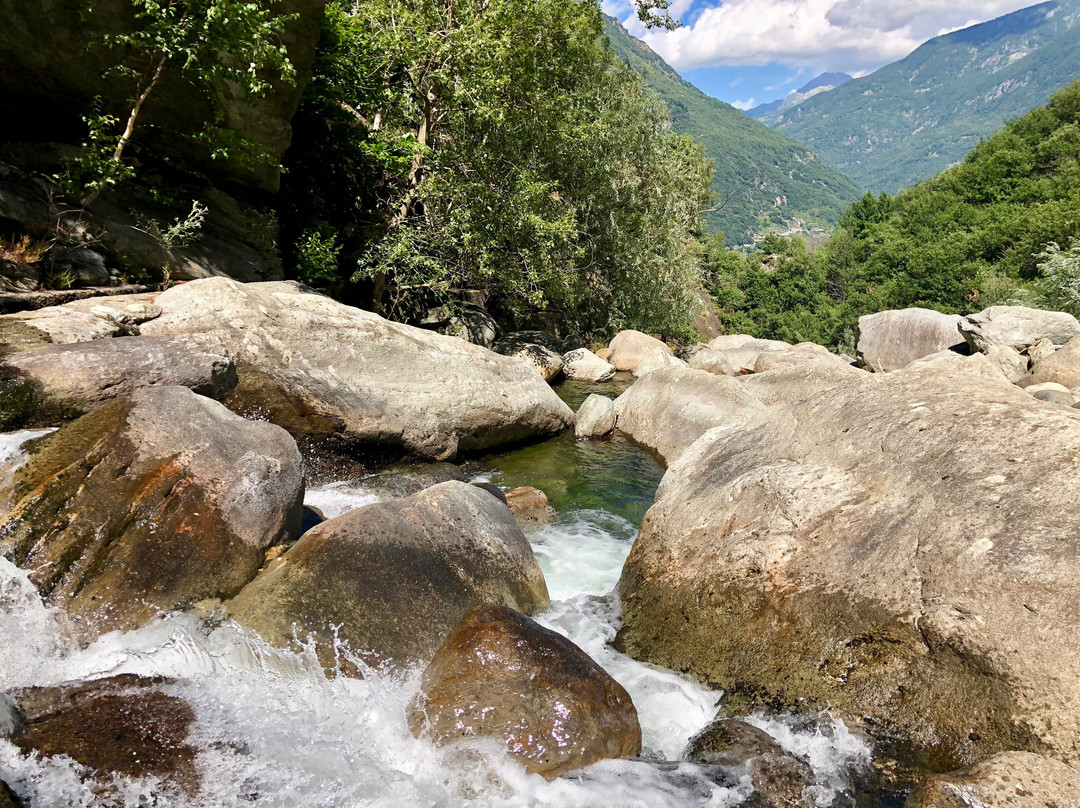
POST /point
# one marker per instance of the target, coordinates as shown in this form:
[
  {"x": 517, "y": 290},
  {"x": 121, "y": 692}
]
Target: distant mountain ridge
[
  {"x": 914, "y": 118},
  {"x": 823, "y": 83},
  {"x": 764, "y": 181}
]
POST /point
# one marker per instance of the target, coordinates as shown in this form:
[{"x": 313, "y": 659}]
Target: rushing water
[{"x": 274, "y": 730}]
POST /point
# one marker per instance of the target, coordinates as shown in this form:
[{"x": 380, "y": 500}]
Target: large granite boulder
[
  {"x": 78, "y": 321},
  {"x": 583, "y": 365},
  {"x": 1008, "y": 780},
  {"x": 669, "y": 409},
  {"x": 391, "y": 580},
  {"x": 1017, "y": 327},
  {"x": 548, "y": 362},
  {"x": 801, "y": 355},
  {"x": 711, "y": 360},
  {"x": 742, "y": 351},
  {"x": 150, "y": 502},
  {"x": 326, "y": 370},
  {"x": 500, "y": 674},
  {"x": 655, "y": 360},
  {"x": 889, "y": 340},
  {"x": 595, "y": 417},
  {"x": 794, "y": 382},
  {"x": 630, "y": 347},
  {"x": 1062, "y": 367},
  {"x": 902, "y": 550},
  {"x": 121, "y": 725},
  {"x": 85, "y": 374}
]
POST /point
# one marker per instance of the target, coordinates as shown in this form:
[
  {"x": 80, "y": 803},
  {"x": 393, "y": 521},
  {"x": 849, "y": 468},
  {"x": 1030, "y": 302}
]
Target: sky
[{"x": 748, "y": 52}]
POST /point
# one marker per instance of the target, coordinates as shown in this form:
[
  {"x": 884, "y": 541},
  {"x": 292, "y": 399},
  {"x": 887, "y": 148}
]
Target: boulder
[
  {"x": 595, "y": 418},
  {"x": 390, "y": 580},
  {"x": 1052, "y": 392},
  {"x": 471, "y": 323},
  {"x": 85, "y": 374},
  {"x": 529, "y": 506},
  {"x": 406, "y": 479},
  {"x": 711, "y": 360},
  {"x": 150, "y": 502},
  {"x": 547, "y": 362},
  {"x": 502, "y": 675},
  {"x": 780, "y": 780},
  {"x": 604, "y": 353},
  {"x": 325, "y": 370},
  {"x": 949, "y": 363},
  {"x": 887, "y": 549},
  {"x": 1008, "y": 780},
  {"x": 1018, "y": 327},
  {"x": 58, "y": 324},
  {"x": 805, "y": 353},
  {"x": 630, "y": 347},
  {"x": 889, "y": 340},
  {"x": 1011, "y": 362},
  {"x": 669, "y": 409},
  {"x": 799, "y": 381},
  {"x": 1062, "y": 367},
  {"x": 656, "y": 360},
  {"x": 742, "y": 352},
  {"x": 122, "y": 725},
  {"x": 1039, "y": 351},
  {"x": 583, "y": 365}
]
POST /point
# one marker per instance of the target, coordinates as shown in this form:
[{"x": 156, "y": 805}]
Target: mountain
[
  {"x": 823, "y": 83},
  {"x": 764, "y": 181},
  {"x": 914, "y": 118}
]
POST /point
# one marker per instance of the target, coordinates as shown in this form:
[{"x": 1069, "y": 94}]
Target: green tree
[{"x": 215, "y": 42}]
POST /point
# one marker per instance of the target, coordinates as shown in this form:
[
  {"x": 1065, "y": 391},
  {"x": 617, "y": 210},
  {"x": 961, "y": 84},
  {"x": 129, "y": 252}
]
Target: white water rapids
[{"x": 274, "y": 730}]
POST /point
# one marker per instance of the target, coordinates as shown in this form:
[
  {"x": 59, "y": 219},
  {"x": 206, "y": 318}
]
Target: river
[{"x": 274, "y": 730}]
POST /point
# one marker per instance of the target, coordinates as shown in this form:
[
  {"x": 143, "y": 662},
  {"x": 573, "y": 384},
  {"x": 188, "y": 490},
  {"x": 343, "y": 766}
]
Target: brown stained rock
[
  {"x": 902, "y": 550},
  {"x": 780, "y": 779},
  {"x": 393, "y": 578},
  {"x": 150, "y": 502},
  {"x": 1008, "y": 780},
  {"x": 120, "y": 725},
  {"x": 529, "y": 506},
  {"x": 500, "y": 674}
]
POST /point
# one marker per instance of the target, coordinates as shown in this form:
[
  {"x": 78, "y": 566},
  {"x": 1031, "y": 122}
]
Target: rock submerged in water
[
  {"x": 890, "y": 548},
  {"x": 150, "y": 502},
  {"x": 780, "y": 779},
  {"x": 329, "y": 371},
  {"x": 392, "y": 579},
  {"x": 500, "y": 674},
  {"x": 1008, "y": 780},
  {"x": 123, "y": 725}
]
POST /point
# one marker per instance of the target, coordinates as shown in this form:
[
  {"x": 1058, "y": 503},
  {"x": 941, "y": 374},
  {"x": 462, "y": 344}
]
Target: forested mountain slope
[
  {"x": 914, "y": 118},
  {"x": 764, "y": 181}
]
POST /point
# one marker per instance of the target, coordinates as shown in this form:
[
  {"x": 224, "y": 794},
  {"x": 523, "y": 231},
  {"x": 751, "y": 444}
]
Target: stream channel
[{"x": 274, "y": 730}]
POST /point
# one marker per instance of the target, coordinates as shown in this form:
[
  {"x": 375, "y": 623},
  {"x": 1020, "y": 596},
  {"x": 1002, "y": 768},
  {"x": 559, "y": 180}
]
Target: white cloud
[
  {"x": 749, "y": 103},
  {"x": 851, "y": 35}
]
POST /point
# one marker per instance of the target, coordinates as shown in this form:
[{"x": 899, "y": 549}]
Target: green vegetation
[
  {"x": 763, "y": 181},
  {"x": 912, "y": 119},
  {"x": 982, "y": 233},
  {"x": 496, "y": 147}
]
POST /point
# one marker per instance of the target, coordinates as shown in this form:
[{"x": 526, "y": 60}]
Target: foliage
[
  {"x": 214, "y": 42},
  {"x": 183, "y": 230},
  {"x": 763, "y": 181},
  {"x": 499, "y": 146},
  {"x": 1060, "y": 286},
  {"x": 912, "y": 119},
  {"x": 974, "y": 236},
  {"x": 23, "y": 251}
]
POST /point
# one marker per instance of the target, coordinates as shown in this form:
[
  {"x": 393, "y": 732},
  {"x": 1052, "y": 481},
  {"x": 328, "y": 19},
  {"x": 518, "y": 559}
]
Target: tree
[{"x": 212, "y": 41}]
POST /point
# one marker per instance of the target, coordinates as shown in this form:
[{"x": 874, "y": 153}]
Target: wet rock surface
[
  {"x": 123, "y": 725},
  {"x": 392, "y": 579},
  {"x": 885, "y": 547},
  {"x": 1008, "y": 780},
  {"x": 325, "y": 370},
  {"x": 500, "y": 674},
  {"x": 150, "y": 502}
]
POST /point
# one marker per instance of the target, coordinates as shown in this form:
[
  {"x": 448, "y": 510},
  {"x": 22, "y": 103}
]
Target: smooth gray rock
[
  {"x": 151, "y": 502},
  {"x": 630, "y": 347},
  {"x": 1008, "y": 780},
  {"x": 392, "y": 579},
  {"x": 595, "y": 418},
  {"x": 1061, "y": 367},
  {"x": 901, "y": 550},
  {"x": 1011, "y": 362},
  {"x": 85, "y": 374},
  {"x": 583, "y": 365},
  {"x": 1017, "y": 327},
  {"x": 668, "y": 409},
  {"x": 323, "y": 369},
  {"x": 889, "y": 340}
]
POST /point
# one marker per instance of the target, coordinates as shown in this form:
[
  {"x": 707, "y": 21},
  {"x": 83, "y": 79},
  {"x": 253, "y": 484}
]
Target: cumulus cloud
[
  {"x": 850, "y": 35},
  {"x": 749, "y": 103}
]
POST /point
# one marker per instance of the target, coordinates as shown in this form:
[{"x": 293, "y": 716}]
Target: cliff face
[{"x": 50, "y": 75}]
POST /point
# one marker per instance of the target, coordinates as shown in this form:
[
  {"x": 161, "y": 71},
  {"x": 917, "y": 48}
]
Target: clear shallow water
[{"x": 274, "y": 730}]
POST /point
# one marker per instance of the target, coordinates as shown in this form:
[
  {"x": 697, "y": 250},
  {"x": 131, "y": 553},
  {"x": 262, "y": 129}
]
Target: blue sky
[{"x": 747, "y": 52}]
